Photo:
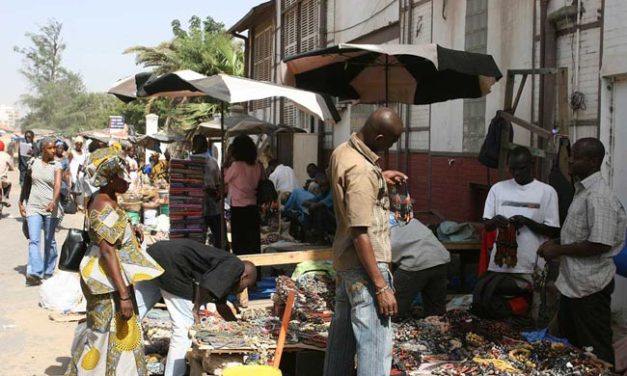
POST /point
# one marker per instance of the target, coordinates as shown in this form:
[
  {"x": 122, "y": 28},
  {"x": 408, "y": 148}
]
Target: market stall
[{"x": 457, "y": 343}]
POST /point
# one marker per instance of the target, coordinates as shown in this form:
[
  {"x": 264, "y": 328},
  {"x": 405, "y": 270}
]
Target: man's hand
[
  {"x": 520, "y": 221},
  {"x": 22, "y": 209},
  {"x": 387, "y": 303},
  {"x": 393, "y": 177},
  {"x": 549, "y": 250},
  {"x": 497, "y": 221}
]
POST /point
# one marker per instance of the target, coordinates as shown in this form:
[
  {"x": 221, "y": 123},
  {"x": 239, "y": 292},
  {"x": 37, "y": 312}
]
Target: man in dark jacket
[{"x": 194, "y": 274}]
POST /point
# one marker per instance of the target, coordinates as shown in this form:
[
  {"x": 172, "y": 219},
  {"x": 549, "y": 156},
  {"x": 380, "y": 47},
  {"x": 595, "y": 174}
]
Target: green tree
[
  {"x": 205, "y": 47},
  {"x": 57, "y": 98},
  {"x": 43, "y": 58}
]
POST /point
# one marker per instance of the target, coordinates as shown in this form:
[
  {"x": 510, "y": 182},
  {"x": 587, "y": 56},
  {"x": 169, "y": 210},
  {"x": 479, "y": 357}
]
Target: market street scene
[{"x": 313, "y": 188}]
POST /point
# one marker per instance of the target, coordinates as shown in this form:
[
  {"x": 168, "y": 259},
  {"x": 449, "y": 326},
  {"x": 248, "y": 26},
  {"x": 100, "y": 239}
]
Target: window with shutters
[
  {"x": 476, "y": 41},
  {"x": 262, "y": 61},
  {"x": 300, "y": 32}
]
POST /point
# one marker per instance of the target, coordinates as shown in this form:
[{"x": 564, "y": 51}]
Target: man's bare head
[{"x": 381, "y": 130}]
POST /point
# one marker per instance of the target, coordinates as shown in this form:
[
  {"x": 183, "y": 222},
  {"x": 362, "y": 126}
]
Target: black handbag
[
  {"x": 68, "y": 205},
  {"x": 74, "y": 249}
]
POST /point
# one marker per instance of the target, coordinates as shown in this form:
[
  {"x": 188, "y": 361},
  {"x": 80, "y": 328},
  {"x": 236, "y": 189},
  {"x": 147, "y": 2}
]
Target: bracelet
[
  {"x": 380, "y": 291},
  {"x": 127, "y": 298}
]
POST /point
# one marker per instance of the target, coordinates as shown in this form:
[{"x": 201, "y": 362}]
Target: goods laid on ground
[
  {"x": 457, "y": 343},
  {"x": 187, "y": 198},
  {"x": 157, "y": 327}
]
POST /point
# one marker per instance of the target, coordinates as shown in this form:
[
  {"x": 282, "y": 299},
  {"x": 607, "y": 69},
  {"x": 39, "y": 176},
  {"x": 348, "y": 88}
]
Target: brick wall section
[{"x": 451, "y": 193}]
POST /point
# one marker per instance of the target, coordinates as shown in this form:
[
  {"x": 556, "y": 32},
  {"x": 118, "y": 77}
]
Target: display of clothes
[{"x": 186, "y": 199}]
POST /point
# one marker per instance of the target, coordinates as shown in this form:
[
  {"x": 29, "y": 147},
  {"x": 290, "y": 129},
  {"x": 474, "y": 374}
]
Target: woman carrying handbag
[
  {"x": 111, "y": 341},
  {"x": 41, "y": 191}
]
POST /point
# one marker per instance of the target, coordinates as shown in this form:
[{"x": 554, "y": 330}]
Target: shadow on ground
[
  {"x": 59, "y": 369},
  {"x": 21, "y": 269}
]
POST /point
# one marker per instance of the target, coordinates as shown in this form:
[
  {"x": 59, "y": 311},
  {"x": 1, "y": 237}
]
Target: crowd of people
[{"x": 350, "y": 207}]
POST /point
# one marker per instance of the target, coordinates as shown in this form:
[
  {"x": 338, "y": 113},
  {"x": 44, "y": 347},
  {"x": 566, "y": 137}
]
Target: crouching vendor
[{"x": 187, "y": 263}]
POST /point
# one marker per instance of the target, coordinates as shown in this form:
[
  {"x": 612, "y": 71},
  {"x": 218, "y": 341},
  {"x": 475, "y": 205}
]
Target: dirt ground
[{"x": 30, "y": 343}]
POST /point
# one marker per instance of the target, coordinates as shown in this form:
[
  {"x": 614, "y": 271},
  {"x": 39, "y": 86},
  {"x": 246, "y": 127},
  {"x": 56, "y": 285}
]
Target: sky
[{"x": 97, "y": 32}]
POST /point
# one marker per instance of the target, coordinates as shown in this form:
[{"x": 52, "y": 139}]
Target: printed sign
[{"x": 117, "y": 128}]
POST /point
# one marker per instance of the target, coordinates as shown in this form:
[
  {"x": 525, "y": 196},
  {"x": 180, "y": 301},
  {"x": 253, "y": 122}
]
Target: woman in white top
[
  {"x": 76, "y": 167},
  {"x": 41, "y": 191}
]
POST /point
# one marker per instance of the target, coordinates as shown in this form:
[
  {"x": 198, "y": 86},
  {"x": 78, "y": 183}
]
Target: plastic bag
[{"x": 62, "y": 292}]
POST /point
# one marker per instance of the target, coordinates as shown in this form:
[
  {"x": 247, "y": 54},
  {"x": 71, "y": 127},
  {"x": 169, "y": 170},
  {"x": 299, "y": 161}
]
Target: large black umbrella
[
  {"x": 404, "y": 73},
  {"x": 129, "y": 88}
]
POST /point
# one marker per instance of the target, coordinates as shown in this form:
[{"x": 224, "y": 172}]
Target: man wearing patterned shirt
[{"x": 592, "y": 234}]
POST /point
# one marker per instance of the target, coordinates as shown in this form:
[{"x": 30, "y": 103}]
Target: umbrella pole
[
  {"x": 223, "y": 193},
  {"x": 386, "y": 153},
  {"x": 387, "y": 68}
]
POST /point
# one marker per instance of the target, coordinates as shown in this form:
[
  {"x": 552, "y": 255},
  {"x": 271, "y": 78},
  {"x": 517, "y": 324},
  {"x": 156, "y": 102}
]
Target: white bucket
[{"x": 150, "y": 217}]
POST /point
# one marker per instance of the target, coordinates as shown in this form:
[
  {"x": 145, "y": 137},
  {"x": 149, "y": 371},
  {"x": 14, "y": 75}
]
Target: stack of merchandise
[
  {"x": 459, "y": 343},
  {"x": 313, "y": 305},
  {"x": 157, "y": 328},
  {"x": 187, "y": 198},
  {"x": 315, "y": 296},
  {"x": 257, "y": 334}
]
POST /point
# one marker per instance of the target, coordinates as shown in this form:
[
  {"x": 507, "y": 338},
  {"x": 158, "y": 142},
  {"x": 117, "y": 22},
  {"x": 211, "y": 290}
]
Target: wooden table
[{"x": 468, "y": 252}]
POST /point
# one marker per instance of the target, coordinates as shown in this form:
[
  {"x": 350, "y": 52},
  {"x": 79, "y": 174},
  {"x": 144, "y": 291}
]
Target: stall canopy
[
  {"x": 154, "y": 141},
  {"x": 229, "y": 89},
  {"x": 404, "y": 73}
]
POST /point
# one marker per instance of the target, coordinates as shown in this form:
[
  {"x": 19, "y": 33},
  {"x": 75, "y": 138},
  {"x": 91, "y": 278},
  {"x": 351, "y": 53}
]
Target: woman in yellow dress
[{"x": 110, "y": 343}]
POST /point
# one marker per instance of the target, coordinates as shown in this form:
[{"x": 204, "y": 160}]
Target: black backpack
[
  {"x": 489, "y": 154},
  {"x": 493, "y": 293}
]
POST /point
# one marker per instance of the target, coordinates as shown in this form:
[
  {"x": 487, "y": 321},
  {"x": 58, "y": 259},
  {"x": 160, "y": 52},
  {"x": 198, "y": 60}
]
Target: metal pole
[{"x": 222, "y": 196}]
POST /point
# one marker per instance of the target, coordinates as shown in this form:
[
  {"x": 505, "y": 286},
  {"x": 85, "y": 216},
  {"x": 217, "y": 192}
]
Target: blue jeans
[
  {"x": 36, "y": 265},
  {"x": 358, "y": 328}
]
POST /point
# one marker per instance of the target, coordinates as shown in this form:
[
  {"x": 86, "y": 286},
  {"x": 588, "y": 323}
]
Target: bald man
[
  {"x": 592, "y": 234},
  {"x": 365, "y": 300}
]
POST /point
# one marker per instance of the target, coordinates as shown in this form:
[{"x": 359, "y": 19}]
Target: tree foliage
[
  {"x": 58, "y": 99},
  {"x": 205, "y": 47}
]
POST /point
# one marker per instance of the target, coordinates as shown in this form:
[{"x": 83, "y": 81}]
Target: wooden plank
[
  {"x": 283, "y": 258},
  {"x": 533, "y": 71},
  {"x": 204, "y": 349},
  {"x": 503, "y": 153},
  {"x": 462, "y": 246},
  {"x": 527, "y": 125},
  {"x": 509, "y": 91},
  {"x": 564, "y": 108},
  {"x": 519, "y": 93}
]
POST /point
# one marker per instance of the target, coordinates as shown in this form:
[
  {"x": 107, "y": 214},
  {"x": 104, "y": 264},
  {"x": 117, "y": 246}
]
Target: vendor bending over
[{"x": 187, "y": 262}]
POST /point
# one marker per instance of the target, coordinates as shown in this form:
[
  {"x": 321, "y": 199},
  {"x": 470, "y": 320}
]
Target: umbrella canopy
[
  {"x": 235, "y": 125},
  {"x": 229, "y": 89},
  {"x": 154, "y": 141},
  {"x": 405, "y": 73},
  {"x": 129, "y": 88}
]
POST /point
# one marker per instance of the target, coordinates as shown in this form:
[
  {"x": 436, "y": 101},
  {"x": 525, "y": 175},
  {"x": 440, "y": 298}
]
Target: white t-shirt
[
  {"x": 536, "y": 201},
  {"x": 284, "y": 179}
]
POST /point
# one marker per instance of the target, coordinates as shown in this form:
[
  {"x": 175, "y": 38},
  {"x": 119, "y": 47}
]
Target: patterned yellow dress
[{"x": 106, "y": 345}]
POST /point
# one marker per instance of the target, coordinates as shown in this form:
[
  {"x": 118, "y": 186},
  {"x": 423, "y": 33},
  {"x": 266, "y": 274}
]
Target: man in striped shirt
[{"x": 593, "y": 233}]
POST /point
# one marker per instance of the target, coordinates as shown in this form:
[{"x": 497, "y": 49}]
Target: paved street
[{"x": 30, "y": 343}]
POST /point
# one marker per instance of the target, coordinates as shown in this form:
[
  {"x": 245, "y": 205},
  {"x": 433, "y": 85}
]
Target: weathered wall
[{"x": 348, "y": 20}]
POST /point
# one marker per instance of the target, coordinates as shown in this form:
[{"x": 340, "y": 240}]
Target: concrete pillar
[{"x": 152, "y": 127}]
